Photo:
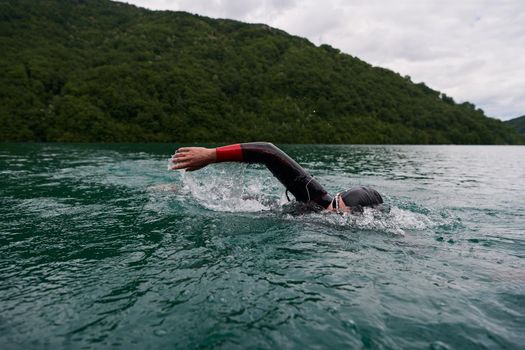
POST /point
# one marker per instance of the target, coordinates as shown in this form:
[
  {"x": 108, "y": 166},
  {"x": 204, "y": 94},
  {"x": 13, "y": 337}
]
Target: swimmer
[{"x": 295, "y": 179}]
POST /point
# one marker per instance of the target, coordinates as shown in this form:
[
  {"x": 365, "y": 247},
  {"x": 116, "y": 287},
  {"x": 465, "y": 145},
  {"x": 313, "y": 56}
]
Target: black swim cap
[{"x": 358, "y": 197}]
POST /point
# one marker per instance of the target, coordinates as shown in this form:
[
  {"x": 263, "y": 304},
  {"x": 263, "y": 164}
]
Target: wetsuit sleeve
[
  {"x": 230, "y": 153},
  {"x": 298, "y": 181}
]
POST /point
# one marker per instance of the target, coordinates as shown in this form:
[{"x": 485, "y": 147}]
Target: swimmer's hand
[{"x": 193, "y": 158}]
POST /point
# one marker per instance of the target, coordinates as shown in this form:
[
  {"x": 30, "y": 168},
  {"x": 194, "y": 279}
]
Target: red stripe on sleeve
[{"x": 230, "y": 153}]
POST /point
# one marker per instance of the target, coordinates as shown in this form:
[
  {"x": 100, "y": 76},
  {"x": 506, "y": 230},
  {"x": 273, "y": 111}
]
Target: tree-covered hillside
[
  {"x": 96, "y": 70},
  {"x": 518, "y": 124}
]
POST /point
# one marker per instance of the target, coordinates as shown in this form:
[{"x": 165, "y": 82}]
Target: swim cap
[{"x": 358, "y": 197}]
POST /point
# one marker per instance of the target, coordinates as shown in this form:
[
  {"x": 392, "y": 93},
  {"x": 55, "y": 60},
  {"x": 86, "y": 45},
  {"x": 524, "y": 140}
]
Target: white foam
[{"x": 225, "y": 189}]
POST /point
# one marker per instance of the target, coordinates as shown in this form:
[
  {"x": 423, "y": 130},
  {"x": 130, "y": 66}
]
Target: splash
[
  {"x": 393, "y": 220},
  {"x": 226, "y": 188},
  {"x": 239, "y": 188}
]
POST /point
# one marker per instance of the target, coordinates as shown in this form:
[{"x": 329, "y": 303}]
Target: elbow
[
  {"x": 268, "y": 146},
  {"x": 261, "y": 152}
]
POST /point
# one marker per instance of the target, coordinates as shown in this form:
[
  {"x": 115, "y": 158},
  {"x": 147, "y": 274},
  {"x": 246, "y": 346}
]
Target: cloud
[{"x": 471, "y": 49}]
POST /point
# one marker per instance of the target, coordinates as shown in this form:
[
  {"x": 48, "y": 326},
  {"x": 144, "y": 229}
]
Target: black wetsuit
[{"x": 298, "y": 181}]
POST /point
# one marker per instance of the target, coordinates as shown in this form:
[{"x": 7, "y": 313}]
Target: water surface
[{"x": 101, "y": 246}]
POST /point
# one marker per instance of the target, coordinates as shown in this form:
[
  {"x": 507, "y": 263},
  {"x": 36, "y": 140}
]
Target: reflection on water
[{"x": 101, "y": 246}]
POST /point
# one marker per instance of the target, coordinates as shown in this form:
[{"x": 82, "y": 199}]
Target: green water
[{"x": 101, "y": 246}]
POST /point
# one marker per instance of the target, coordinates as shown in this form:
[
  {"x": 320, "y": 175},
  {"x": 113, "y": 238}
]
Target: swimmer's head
[{"x": 355, "y": 199}]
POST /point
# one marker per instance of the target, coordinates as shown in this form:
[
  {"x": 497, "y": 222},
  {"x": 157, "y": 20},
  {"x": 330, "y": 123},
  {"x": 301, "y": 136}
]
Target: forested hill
[
  {"x": 95, "y": 70},
  {"x": 518, "y": 124}
]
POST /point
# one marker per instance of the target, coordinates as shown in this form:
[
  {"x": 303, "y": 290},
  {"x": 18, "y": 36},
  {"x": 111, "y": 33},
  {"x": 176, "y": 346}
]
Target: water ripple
[{"x": 101, "y": 246}]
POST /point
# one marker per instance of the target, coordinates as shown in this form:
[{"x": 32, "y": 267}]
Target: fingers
[
  {"x": 181, "y": 154},
  {"x": 187, "y": 158},
  {"x": 187, "y": 165},
  {"x": 177, "y": 157},
  {"x": 179, "y": 166}
]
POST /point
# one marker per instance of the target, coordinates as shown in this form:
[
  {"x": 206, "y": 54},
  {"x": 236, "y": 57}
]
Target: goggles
[{"x": 335, "y": 201}]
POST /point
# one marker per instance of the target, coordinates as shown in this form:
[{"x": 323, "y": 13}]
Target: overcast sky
[{"x": 473, "y": 50}]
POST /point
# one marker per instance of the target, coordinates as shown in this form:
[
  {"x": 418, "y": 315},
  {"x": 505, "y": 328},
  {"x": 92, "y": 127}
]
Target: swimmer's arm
[
  {"x": 285, "y": 169},
  {"x": 194, "y": 158}
]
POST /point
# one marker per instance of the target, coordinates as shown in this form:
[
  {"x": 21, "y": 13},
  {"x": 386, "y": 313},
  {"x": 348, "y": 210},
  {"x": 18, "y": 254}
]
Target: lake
[{"x": 102, "y": 246}]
